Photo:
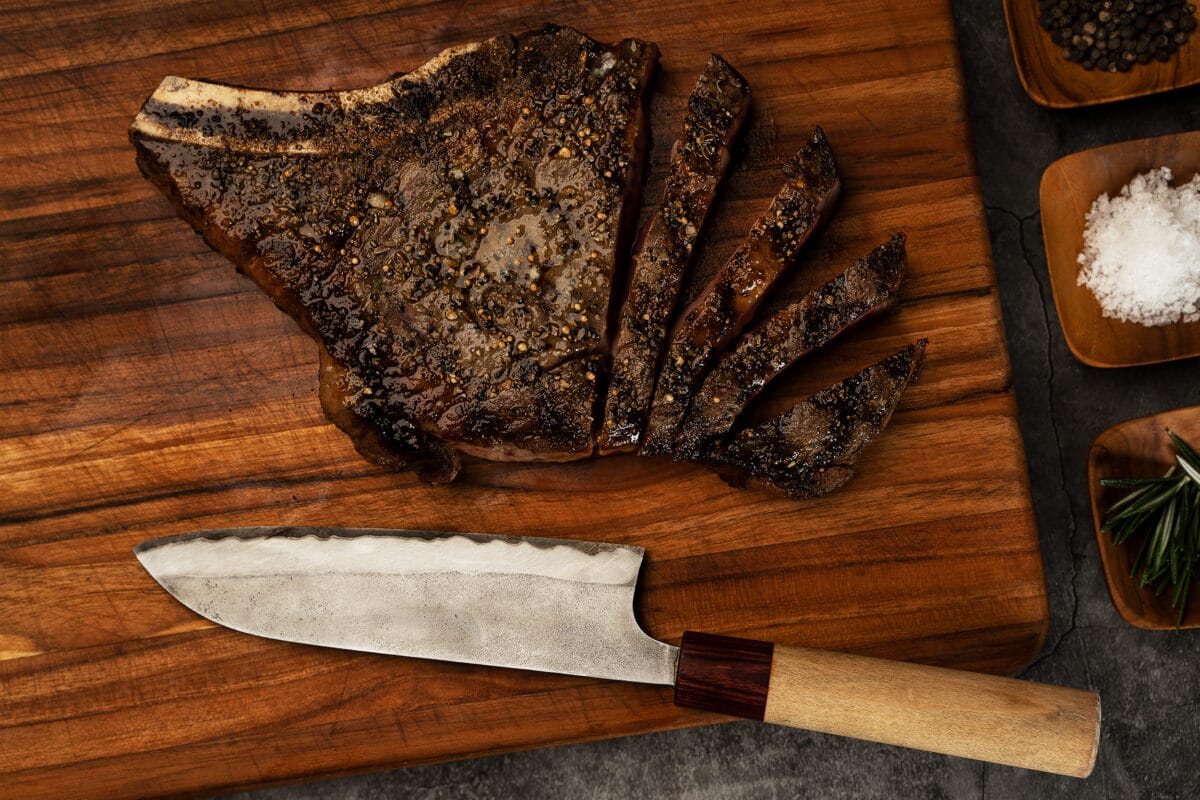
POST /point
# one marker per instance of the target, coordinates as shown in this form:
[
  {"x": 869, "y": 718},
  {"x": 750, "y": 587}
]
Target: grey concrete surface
[{"x": 1150, "y": 682}]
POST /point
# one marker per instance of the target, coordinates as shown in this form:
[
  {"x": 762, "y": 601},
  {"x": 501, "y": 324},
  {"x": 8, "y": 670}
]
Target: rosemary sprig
[{"x": 1166, "y": 513}]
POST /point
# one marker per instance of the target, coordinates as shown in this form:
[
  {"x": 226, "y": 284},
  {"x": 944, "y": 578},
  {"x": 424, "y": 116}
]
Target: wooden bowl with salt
[{"x": 1069, "y": 187}]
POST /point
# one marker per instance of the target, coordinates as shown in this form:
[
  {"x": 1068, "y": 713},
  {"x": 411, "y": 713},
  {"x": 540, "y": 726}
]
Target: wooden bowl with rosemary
[{"x": 1137, "y": 454}]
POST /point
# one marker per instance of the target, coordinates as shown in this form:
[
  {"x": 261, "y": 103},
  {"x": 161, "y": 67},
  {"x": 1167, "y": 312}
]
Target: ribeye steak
[
  {"x": 449, "y": 236},
  {"x": 455, "y": 239}
]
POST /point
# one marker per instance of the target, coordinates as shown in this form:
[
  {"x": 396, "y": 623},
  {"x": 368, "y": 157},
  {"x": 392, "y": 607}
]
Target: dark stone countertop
[{"x": 1149, "y": 681}]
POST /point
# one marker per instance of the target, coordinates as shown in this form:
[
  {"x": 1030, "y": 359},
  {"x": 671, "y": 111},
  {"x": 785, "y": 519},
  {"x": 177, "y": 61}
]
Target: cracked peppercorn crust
[
  {"x": 726, "y": 304},
  {"x": 451, "y": 237},
  {"x": 810, "y": 450},
  {"x": 717, "y": 107},
  {"x": 862, "y": 291}
]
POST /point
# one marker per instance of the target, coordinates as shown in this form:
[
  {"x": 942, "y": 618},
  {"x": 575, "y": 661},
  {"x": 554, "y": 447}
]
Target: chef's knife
[{"x": 564, "y": 606}]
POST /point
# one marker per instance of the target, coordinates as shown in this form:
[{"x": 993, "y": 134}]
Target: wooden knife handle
[{"x": 1001, "y": 720}]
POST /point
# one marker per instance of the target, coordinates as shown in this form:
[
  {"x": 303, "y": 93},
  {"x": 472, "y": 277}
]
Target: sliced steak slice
[
  {"x": 810, "y": 450},
  {"x": 709, "y": 324},
  {"x": 450, "y": 236},
  {"x": 716, "y": 110},
  {"x": 865, "y": 289}
]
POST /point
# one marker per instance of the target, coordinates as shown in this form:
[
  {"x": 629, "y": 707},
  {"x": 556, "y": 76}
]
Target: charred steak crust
[
  {"x": 717, "y": 107},
  {"x": 867, "y": 288},
  {"x": 724, "y": 306},
  {"x": 450, "y": 236},
  {"x": 810, "y": 450}
]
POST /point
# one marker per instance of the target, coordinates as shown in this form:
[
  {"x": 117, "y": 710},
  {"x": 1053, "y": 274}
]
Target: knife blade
[
  {"x": 563, "y": 606},
  {"x": 540, "y": 604}
]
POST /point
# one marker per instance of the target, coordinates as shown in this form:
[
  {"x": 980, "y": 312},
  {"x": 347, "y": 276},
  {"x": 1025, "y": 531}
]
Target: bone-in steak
[
  {"x": 453, "y": 239},
  {"x": 725, "y": 305},
  {"x": 450, "y": 236},
  {"x": 716, "y": 109},
  {"x": 867, "y": 288}
]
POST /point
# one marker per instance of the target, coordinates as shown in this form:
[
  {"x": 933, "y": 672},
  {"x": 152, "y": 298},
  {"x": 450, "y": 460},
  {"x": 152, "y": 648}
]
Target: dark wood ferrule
[{"x": 724, "y": 674}]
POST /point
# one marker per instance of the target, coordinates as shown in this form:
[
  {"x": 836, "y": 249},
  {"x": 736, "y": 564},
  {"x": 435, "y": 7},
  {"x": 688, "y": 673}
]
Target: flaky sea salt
[{"x": 1141, "y": 251}]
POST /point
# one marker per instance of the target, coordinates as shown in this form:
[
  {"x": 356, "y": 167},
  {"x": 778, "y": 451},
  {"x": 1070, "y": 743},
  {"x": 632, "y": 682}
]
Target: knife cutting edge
[{"x": 556, "y": 605}]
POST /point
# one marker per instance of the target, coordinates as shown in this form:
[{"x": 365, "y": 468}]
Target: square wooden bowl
[
  {"x": 1069, "y": 187},
  {"x": 1134, "y": 449},
  {"x": 1053, "y": 81}
]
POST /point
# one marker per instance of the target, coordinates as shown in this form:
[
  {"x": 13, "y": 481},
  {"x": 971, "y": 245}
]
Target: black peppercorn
[{"x": 1114, "y": 35}]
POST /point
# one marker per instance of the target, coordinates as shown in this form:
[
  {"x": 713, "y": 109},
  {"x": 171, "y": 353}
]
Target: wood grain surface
[
  {"x": 1053, "y": 81},
  {"x": 149, "y": 389},
  {"x": 1138, "y": 448},
  {"x": 998, "y": 720},
  {"x": 1068, "y": 189}
]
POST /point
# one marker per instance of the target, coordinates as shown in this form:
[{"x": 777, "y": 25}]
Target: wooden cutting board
[{"x": 148, "y": 389}]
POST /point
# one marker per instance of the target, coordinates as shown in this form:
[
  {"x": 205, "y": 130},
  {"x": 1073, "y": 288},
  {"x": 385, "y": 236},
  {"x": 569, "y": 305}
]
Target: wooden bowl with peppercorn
[
  {"x": 1140, "y": 449},
  {"x": 1083, "y": 52},
  {"x": 1069, "y": 188}
]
